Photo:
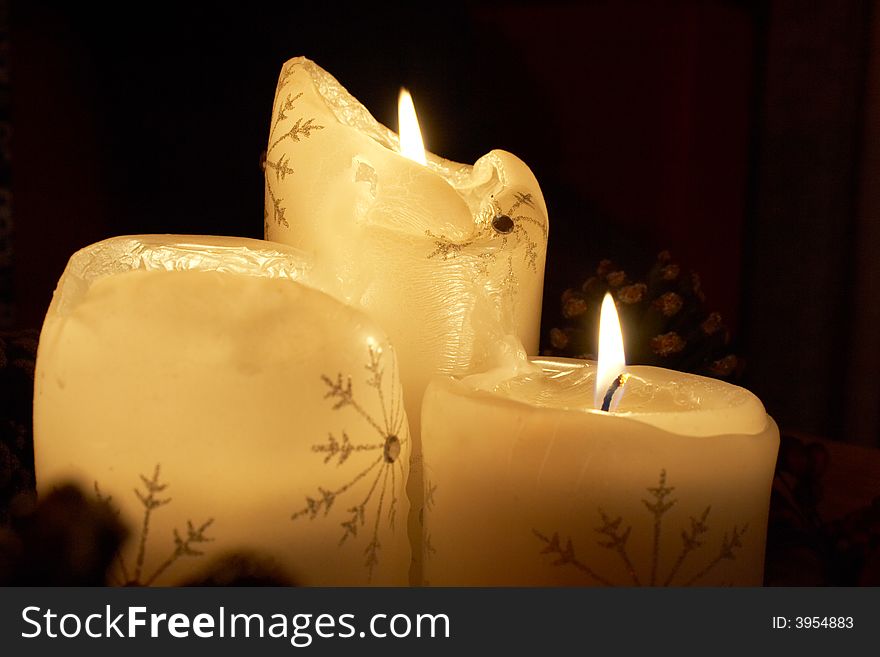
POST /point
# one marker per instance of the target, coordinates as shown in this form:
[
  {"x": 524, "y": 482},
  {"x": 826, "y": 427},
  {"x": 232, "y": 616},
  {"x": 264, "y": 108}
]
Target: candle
[
  {"x": 443, "y": 241},
  {"x": 220, "y": 403},
  {"x": 529, "y": 484},
  {"x": 447, "y": 258}
]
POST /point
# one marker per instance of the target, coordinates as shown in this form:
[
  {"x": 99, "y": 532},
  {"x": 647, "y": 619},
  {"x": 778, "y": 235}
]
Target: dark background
[{"x": 742, "y": 136}]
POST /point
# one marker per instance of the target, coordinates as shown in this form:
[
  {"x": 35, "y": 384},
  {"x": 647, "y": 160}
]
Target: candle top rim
[
  {"x": 686, "y": 404},
  {"x": 160, "y": 252}
]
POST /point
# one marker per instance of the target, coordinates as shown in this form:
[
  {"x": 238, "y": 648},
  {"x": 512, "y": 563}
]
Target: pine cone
[{"x": 663, "y": 318}]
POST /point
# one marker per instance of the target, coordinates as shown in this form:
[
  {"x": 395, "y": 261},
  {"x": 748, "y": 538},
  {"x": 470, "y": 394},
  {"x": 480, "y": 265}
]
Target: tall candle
[
  {"x": 447, "y": 258},
  {"x": 220, "y": 403},
  {"x": 436, "y": 253}
]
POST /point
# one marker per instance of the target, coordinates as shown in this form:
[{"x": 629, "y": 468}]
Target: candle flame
[
  {"x": 612, "y": 359},
  {"x": 411, "y": 145}
]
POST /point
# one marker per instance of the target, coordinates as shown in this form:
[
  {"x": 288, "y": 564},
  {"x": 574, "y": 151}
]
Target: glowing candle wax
[
  {"x": 221, "y": 404},
  {"x": 528, "y": 484},
  {"x": 446, "y": 257}
]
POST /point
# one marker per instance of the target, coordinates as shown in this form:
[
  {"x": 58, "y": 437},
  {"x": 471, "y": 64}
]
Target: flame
[
  {"x": 612, "y": 359},
  {"x": 411, "y": 145}
]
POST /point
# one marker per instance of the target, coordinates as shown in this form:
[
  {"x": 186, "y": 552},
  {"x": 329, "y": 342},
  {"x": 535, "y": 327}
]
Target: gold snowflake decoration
[
  {"x": 151, "y": 498},
  {"x": 379, "y": 461},
  {"x": 508, "y": 228},
  {"x": 615, "y": 537},
  {"x": 277, "y": 167}
]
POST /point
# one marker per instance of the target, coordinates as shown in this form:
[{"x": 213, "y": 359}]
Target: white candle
[
  {"x": 528, "y": 484},
  {"x": 448, "y": 258},
  {"x": 222, "y": 405}
]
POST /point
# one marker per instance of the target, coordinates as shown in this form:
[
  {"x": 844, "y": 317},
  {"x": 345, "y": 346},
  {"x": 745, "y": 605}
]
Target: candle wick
[{"x": 609, "y": 394}]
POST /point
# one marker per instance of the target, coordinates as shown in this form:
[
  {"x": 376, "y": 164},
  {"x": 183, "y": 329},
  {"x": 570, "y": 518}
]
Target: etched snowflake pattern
[
  {"x": 510, "y": 228},
  {"x": 615, "y": 537},
  {"x": 379, "y": 463},
  {"x": 428, "y": 505},
  {"x": 276, "y": 164},
  {"x": 151, "y": 498}
]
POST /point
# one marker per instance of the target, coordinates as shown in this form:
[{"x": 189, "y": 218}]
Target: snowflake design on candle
[
  {"x": 428, "y": 505},
  {"x": 150, "y": 498},
  {"x": 378, "y": 469},
  {"x": 512, "y": 225},
  {"x": 428, "y": 550},
  {"x": 277, "y": 169},
  {"x": 614, "y": 537},
  {"x": 509, "y": 228}
]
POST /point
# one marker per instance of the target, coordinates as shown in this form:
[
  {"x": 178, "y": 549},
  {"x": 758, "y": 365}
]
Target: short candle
[
  {"x": 220, "y": 404},
  {"x": 528, "y": 484}
]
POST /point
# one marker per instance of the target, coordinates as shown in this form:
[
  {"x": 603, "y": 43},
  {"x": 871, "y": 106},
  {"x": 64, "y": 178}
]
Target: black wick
[{"x": 617, "y": 383}]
